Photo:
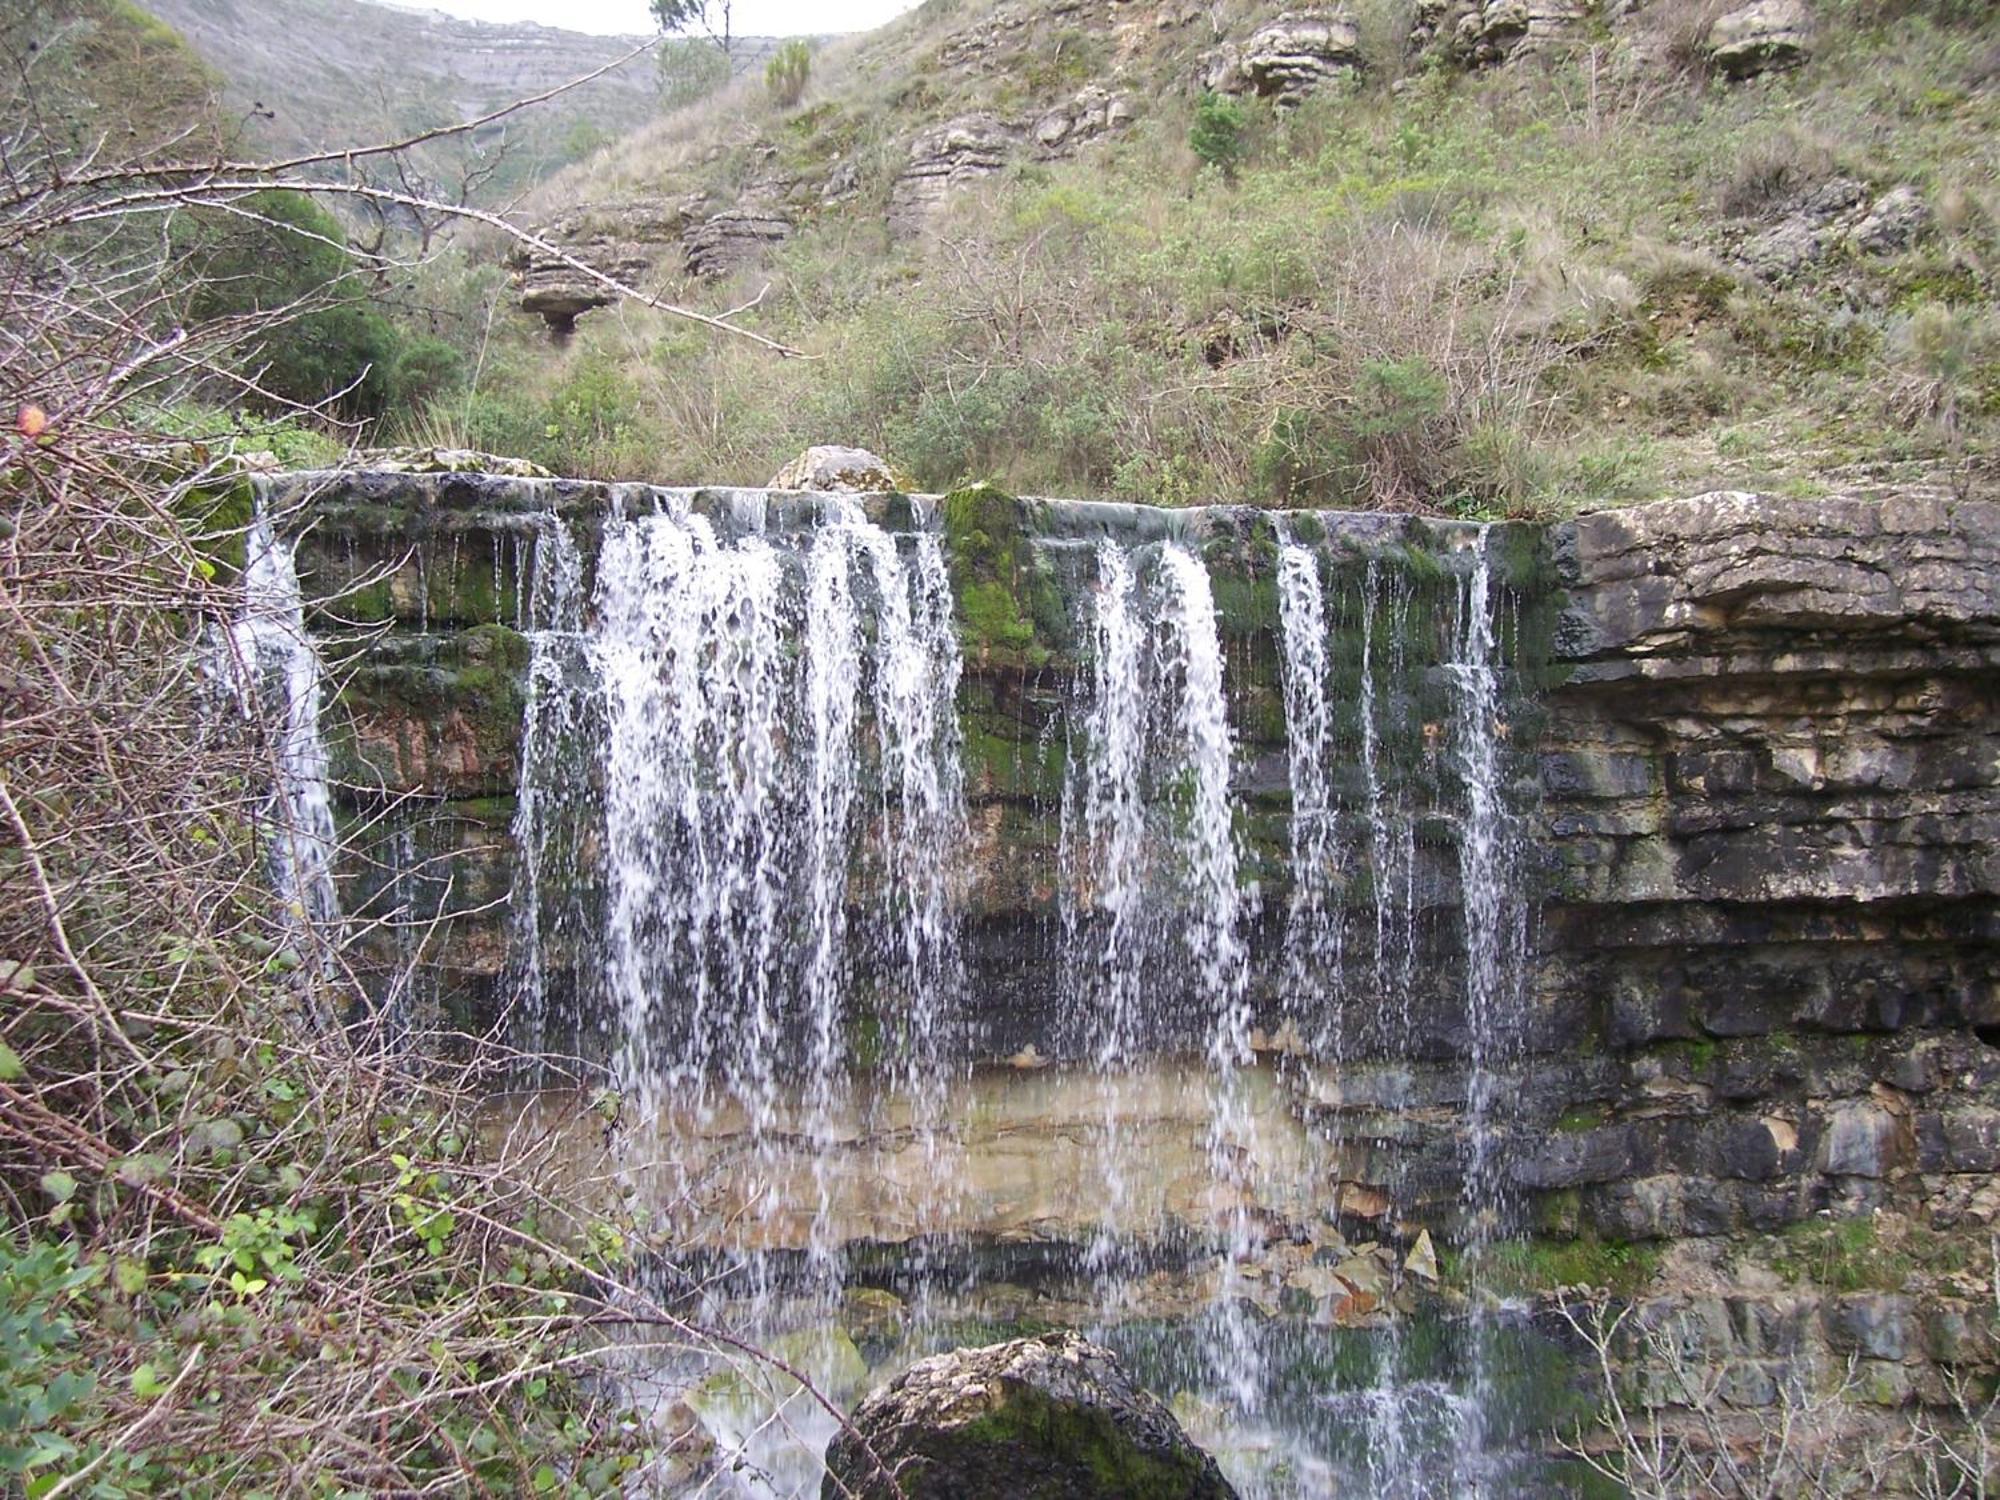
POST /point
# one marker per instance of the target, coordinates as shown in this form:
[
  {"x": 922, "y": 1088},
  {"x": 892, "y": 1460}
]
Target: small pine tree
[{"x": 786, "y": 73}]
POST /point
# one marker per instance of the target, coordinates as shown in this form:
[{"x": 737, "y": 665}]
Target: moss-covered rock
[
  {"x": 1049, "y": 1418},
  {"x": 1009, "y": 610}
]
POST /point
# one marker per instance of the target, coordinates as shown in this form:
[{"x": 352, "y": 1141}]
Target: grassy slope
[{"x": 1506, "y": 291}]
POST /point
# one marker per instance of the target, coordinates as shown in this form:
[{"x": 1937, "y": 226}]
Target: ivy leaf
[
  {"x": 10, "y": 1064},
  {"x": 146, "y": 1383},
  {"x": 545, "y": 1480},
  {"x": 59, "y": 1185}
]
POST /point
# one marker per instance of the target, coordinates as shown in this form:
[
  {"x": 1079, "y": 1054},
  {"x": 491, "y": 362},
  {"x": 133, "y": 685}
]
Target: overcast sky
[{"x": 749, "y": 18}]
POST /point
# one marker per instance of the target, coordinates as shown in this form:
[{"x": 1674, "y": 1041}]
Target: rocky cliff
[{"x": 1753, "y": 744}]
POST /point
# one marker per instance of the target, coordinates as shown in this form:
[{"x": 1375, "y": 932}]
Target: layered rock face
[
  {"x": 1769, "y": 788},
  {"x": 1755, "y": 744}
]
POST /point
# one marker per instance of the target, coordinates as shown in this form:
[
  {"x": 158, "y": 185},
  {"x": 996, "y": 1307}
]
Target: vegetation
[
  {"x": 786, "y": 73},
  {"x": 251, "y": 1244},
  {"x": 1503, "y": 291}
]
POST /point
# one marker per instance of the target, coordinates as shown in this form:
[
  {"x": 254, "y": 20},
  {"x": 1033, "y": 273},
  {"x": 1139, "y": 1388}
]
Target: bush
[
  {"x": 690, "y": 69},
  {"x": 1217, "y": 134},
  {"x": 280, "y": 265},
  {"x": 786, "y": 73}
]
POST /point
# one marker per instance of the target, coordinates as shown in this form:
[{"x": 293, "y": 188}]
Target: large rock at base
[
  {"x": 1761, "y": 36},
  {"x": 1050, "y": 1418},
  {"x": 825, "y": 467}
]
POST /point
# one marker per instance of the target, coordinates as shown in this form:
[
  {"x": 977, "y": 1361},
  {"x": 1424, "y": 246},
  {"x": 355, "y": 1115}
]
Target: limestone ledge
[{"x": 1761, "y": 736}]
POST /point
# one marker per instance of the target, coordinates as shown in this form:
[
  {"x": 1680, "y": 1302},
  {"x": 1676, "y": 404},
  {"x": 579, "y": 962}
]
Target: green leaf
[
  {"x": 146, "y": 1383},
  {"x": 10, "y": 1064},
  {"x": 130, "y": 1276},
  {"x": 545, "y": 1480},
  {"x": 59, "y": 1185}
]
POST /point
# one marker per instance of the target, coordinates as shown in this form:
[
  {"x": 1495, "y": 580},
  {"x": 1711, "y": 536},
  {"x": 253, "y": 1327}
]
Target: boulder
[
  {"x": 825, "y": 467},
  {"x": 1480, "y": 33},
  {"x": 1287, "y": 59},
  {"x": 1049, "y": 1418},
  {"x": 1760, "y": 37},
  {"x": 946, "y": 157}
]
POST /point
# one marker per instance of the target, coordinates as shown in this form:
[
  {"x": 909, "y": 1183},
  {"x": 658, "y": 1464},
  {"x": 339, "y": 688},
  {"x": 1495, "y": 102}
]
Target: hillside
[
  {"x": 1457, "y": 256},
  {"x": 319, "y": 73}
]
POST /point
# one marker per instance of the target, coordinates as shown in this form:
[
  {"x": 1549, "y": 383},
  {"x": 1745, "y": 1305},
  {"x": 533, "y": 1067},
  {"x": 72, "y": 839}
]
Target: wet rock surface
[{"x": 1051, "y": 1418}]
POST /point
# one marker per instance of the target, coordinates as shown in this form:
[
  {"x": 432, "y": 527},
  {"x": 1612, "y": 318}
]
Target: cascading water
[
  {"x": 278, "y": 680},
  {"x": 741, "y": 820},
  {"x": 1314, "y": 939},
  {"x": 1490, "y": 919},
  {"x": 549, "y": 795}
]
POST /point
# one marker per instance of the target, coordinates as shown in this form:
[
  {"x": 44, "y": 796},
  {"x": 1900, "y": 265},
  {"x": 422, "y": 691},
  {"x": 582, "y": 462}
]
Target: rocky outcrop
[
  {"x": 1051, "y": 1418},
  {"x": 1836, "y": 216},
  {"x": 1092, "y": 112},
  {"x": 824, "y": 467},
  {"x": 947, "y": 157},
  {"x": 1288, "y": 59},
  {"x": 1760, "y": 37},
  {"x": 623, "y": 240},
  {"x": 1480, "y": 33},
  {"x": 737, "y": 238},
  {"x": 1759, "y": 755}
]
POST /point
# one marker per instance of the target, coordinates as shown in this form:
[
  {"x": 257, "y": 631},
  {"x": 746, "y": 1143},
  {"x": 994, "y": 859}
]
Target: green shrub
[
  {"x": 689, "y": 69},
  {"x": 786, "y": 73},
  {"x": 1217, "y": 136},
  {"x": 280, "y": 261},
  {"x": 46, "y": 1383}
]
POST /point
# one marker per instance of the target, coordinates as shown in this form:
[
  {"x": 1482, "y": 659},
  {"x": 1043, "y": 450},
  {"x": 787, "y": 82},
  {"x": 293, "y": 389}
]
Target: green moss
[
  {"x": 1528, "y": 1266},
  {"x": 1581, "y": 1117},
  {"x": 1077, "y": 1439},
  {"x": 217, "y": 516},
  {"x": 1006, "y": 601}
]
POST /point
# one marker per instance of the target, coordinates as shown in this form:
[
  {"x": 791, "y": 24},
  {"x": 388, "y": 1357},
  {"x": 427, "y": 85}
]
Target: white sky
[{"x": 748, "y": 18}]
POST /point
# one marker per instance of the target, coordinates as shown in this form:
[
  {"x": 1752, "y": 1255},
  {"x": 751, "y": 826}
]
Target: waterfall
[
  {"x": 1313, "y": 933},
  {"x": 550, "y": 786},
  {"x": 278, "y": 681},
  {"x": 748, "y": 753},
  {"x": 741, "y": 825},
  {"x": 1490, "y": 918},
  {"x": 1483, "y": 878},
  {"x": 1104, "y": 824}
]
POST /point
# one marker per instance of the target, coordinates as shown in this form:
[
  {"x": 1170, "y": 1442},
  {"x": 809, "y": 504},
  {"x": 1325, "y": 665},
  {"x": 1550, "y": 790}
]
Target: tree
[
  {"x": 1217, "y": 134},
  {"x": 786, "y": 73},
  {"x": 690, "y": 69},
  {"x": 278, "y": 263},
  {"x": 709, "y": 16}
]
